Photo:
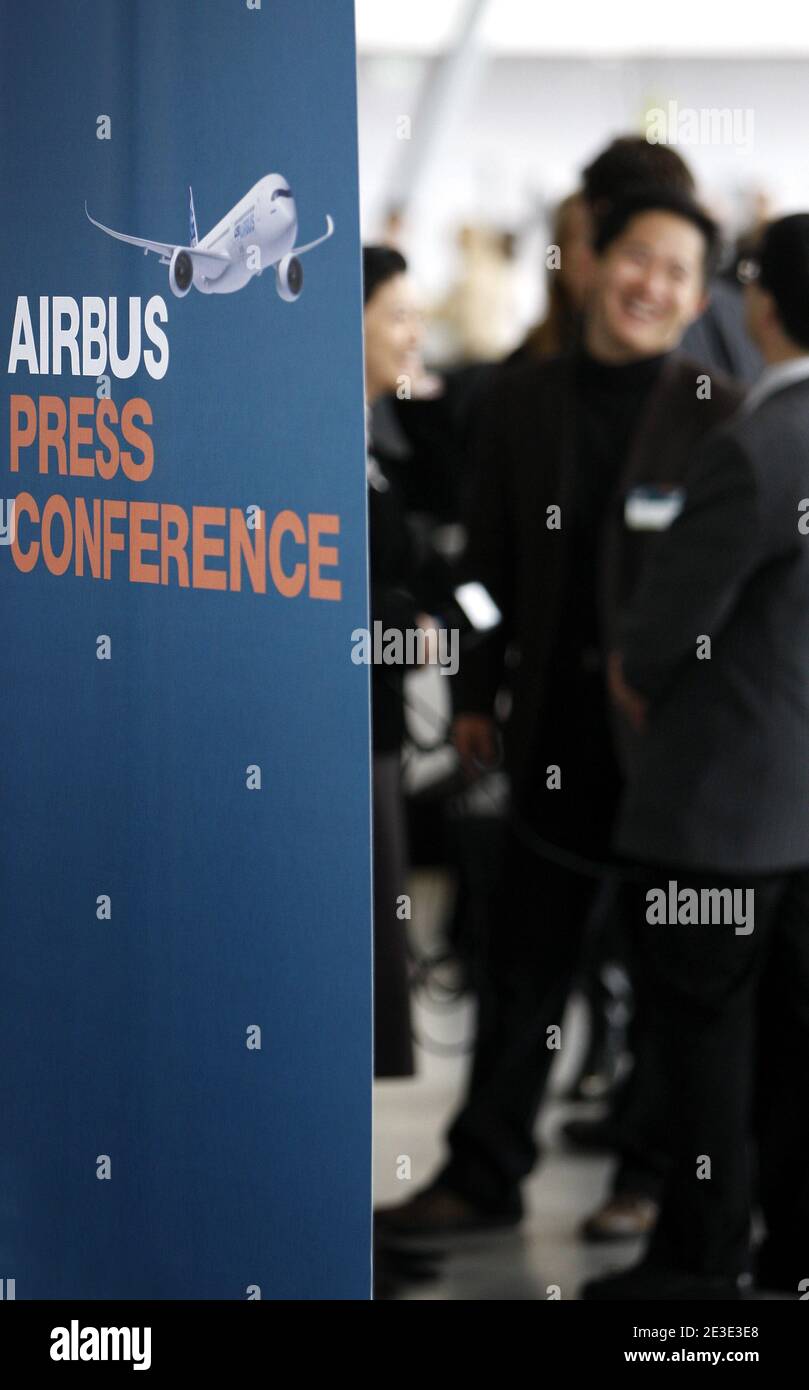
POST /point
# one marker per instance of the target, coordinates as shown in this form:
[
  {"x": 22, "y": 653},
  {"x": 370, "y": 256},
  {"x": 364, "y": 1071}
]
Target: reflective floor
[{"x": 544, "y": 1257}]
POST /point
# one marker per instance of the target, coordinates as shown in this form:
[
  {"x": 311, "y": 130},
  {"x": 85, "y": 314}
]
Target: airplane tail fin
[{"x": 192, "y": 220}]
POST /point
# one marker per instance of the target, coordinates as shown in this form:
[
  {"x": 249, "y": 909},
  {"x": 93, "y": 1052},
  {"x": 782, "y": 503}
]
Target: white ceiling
[{"x": 593, "y": 28}]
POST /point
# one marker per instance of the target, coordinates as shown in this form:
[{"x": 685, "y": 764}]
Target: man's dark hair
[
  {"x": 783, "y": 259},
  {"x": 379, "y": 263},
  {"x": 629, "y": 162},
  {"x": 660, "y": 200}
]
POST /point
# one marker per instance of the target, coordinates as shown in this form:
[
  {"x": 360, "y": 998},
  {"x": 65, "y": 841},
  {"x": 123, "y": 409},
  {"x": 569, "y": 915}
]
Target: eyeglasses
[{"x": 748, "y": 270}]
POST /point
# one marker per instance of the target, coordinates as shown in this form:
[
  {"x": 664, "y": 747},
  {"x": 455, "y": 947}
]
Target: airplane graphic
[{"x": 258, "y": 232}]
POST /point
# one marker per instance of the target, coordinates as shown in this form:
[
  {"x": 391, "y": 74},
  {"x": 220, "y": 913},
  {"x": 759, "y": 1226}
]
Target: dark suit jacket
[
  {"x": 721, "y": 778},
  {"x": 525, "y": 463},
  {"x": 719, "y": 338}
]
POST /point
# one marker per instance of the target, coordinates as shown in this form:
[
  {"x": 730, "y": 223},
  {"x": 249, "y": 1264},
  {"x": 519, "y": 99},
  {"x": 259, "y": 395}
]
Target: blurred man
[
  {"x": 717, "y": 338},
  {"x": 715, "y": 674},
  {"x": 579, "y": 463}
]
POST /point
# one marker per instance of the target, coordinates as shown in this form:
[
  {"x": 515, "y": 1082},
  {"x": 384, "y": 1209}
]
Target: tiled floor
[
  {"x": 545, "y": 1251},
  {"x": 544, "y": 1257}
]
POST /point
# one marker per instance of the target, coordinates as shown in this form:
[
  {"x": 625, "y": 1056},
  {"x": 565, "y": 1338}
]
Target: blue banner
[{"x": 185, "y": 1016}]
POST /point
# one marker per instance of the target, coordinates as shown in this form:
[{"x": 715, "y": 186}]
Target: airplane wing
[
  {"x": 299, "y": 250},
  {"x": 211, "y": 263}
]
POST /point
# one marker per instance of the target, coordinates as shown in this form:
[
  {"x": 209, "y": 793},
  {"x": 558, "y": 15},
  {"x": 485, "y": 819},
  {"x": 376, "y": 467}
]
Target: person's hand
[
  {"x": 633, "y": 706},
  {"x": 429, "y": 626},
  {"x": 475, "y": 738}
]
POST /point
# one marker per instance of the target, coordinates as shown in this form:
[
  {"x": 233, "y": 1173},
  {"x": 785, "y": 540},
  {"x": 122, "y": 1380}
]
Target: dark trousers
[
  {"x": 393, "y": 1043},
  {"x": 727, "y": 1025},
  {"x": 535, "y": 939}
]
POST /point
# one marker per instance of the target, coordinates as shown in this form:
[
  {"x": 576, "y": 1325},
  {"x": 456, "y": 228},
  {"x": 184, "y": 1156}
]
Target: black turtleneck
[{"x": 610, "y": 402}]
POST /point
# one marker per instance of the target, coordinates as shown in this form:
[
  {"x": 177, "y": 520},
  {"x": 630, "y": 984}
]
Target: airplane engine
[
  {"x": 289, "y": 278},
  {"x": 181, "y": 272}
]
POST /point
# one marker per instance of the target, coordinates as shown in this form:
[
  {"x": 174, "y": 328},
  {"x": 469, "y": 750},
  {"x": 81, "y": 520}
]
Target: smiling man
[{"x": 581, "y": 463}]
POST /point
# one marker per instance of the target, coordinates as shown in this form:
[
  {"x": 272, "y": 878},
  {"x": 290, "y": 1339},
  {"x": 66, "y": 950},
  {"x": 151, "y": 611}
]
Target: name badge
[{"x": 652, "y": 508}]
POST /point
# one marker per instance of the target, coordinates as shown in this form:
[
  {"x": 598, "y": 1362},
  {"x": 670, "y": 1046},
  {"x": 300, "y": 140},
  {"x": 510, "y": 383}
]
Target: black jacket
[{"x": 525, "y": 464}]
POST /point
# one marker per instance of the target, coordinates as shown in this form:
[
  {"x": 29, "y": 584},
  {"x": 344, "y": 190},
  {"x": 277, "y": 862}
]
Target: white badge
[{"x": 652, "y": 508}]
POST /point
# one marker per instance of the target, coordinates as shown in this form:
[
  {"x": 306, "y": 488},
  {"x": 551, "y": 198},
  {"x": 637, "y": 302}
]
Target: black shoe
[
  {"x": 780, "y": 1272},
  {"x": 397, "y": 1266},
  {"x": 625, "y": 1216},
  {"x": 438, "y": 1211},
  {"x": 648, "y": 1283}
]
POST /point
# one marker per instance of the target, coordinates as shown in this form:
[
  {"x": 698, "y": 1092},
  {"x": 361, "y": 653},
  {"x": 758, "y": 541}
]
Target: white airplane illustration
[{"x": 258, "y": 232}]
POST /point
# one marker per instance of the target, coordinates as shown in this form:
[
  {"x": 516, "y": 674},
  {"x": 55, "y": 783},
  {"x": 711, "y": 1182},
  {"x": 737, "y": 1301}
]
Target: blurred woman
[
  {"x": 392, "y": 355},
  {"x": 568, "y": 285}
]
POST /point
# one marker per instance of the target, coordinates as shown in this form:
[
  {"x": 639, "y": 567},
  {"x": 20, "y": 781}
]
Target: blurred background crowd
[{"x": 496, "y": 141}]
